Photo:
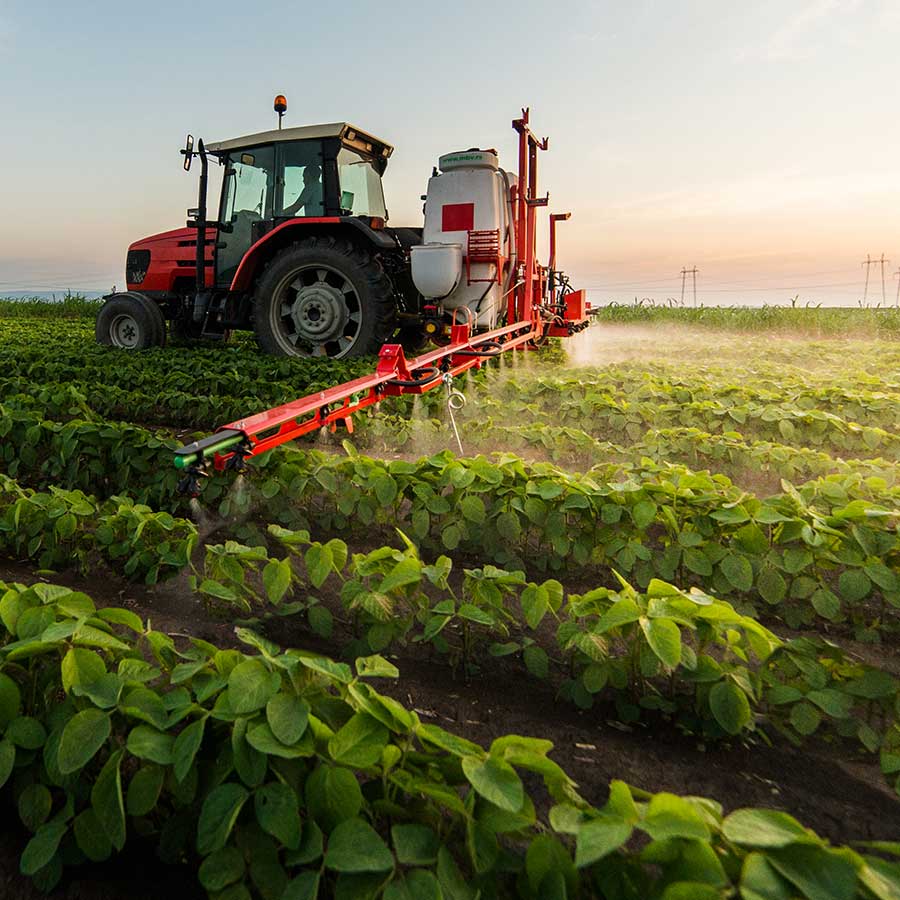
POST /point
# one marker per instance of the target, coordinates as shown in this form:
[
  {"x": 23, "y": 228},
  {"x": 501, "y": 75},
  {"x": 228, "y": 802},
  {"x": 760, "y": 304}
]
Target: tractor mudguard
[{"x": 299, "y": 228}]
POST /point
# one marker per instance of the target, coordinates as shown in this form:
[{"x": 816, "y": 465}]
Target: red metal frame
[{"x": 395, "y": 375}]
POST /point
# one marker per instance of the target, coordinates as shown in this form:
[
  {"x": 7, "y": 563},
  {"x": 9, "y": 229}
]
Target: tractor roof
[{"x": 349, "y": 135}]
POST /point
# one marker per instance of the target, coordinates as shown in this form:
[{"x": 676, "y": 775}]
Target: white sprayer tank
[{"x": 466, "y": 214}]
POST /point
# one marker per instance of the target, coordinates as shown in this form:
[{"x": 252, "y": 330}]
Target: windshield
[
  {"x": 246, "y": 200},
  {"x": 360, "y": 185},
  {"x": 249, "y": 180}
]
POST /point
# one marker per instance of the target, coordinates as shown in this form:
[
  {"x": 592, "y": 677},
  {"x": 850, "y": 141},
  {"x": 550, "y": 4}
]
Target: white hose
[{"x": 455, "y": 402}]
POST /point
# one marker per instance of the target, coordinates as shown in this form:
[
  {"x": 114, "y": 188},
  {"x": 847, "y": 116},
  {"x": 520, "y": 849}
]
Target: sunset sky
[{"x": 757, "y": 141}]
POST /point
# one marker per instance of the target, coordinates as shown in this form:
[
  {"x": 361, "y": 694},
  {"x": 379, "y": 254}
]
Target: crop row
[
  {"x": 682, "y": 653},
  {"x": 824, "y": 549},
  {"x": 60, "y": 528},
  {"x": 877, "y": 408},
  {"x": 828, "y": 548},
  {"x": 621, "y": 420},
  {"x": 284, "y": 774},
  {"x": 728, "y": 453}
]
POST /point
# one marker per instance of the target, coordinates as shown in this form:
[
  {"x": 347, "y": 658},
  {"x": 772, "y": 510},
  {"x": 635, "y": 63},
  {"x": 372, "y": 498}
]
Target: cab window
[{"x": 302, "y": 191}]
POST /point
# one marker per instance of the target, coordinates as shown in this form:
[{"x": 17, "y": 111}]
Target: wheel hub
[
  {"x": 319, "y": 313},
  {"x": 124, "y": 331}
]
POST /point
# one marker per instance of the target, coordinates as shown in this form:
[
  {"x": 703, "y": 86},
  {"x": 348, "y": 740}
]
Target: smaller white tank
[{"x": 436, "y": 269}]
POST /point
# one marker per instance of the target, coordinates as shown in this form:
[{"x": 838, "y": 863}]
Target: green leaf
[
  {"x": 320, "y": 620},
  {"x": 147, "y": 743},
  {"x": 319, "y": 564},
  {"x": 185, "y": 748},
  {"x": 738, "y": 571},
  {"x": 332, "y": 796},
  {"x": 643, "y": 513},
  {"x": 453, "y": 883},
  {"x": 771, "y": 586},
  {"x": 417, "y": 884},
  {"x": 805, "y": 718},
  {"x": 415, "y": 845},
  {"x": 730, "y": 706},
  {"x": 250, "y": 686},
  {"x": 219, "y": 869},
  {"x": 42, "y": 847},
  {"x": 359, "y": 743},
  {"x": 406, "y": 572},
  {"x": 85, "y": 733},
  {"x": 472, "y": 613},
  {"x": 599, "y": 837},
  {"x": 376, "y": 667},
  {"x": 81, "y": 668},
  {"x": 472, "y": 509},
  {"x": 304, "y": 887},
  {"x": 107, "y": 802},
  {"x": 826, "y": 604},
  {"x": 287, "y": 716},
  {"x": 144, "y": 789},
  {"x": 354, "y": 846},
  {"x": 10, "y": 700},
  {"x": 854, "y": 585},
  {"x": 496, "y": 781},
  {"x": 818, "y": 873},
  {"x": 536, "y": 661},
  {"x": 217, "y": 816},
  {"x": 333, "y": 671},
  {"x": 664, "y": 638},
  {"x": 535, "y": 601},
  {"x": 277, "y": 576},
  {"x": 26, "y": 732},
  {"x": 670, "y": 816},
  {"x": 763, "y": 828},
  {"x": 698, "y": 562},
  {"x": 7, "y": 760},
  {"x": 622, "y": 612},
  {"x": 759, "y": 881},
  {"x": 278, "y": 814},
  {"x": 34, "y": 806},
  {"x": 90, "y": 836}
]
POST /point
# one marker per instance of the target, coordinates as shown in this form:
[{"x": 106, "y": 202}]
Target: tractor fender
[{"x": 294, "y": 229}]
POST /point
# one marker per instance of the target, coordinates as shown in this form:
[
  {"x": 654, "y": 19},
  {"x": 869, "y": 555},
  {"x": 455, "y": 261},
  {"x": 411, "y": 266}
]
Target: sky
[{"x": 755, "y": 141}]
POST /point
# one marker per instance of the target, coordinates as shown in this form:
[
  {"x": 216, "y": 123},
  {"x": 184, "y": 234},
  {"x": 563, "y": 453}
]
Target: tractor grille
[{"x": 136, "y": 264}]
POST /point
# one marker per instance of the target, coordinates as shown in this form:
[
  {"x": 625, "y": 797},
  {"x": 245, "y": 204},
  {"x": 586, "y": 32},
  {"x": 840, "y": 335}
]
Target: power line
[{"x": 713, "y": 290}]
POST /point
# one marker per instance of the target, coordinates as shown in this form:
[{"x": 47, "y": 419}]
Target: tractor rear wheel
[
  {"x": 323, "y": 297},
  {"x": 130, "y": 321}
]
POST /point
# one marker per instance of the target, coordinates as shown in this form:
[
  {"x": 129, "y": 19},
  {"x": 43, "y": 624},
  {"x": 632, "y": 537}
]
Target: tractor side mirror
[{"x": 188, "y": 152}]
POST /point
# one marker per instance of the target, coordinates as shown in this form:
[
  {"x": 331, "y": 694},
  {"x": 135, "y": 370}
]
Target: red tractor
[{"x": 300, "y": 251}]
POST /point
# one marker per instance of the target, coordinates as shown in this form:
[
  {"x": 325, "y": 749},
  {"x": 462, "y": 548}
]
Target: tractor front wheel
[
  {"x": 323, "y": 297},
  {"x": 130, "y": 321}
]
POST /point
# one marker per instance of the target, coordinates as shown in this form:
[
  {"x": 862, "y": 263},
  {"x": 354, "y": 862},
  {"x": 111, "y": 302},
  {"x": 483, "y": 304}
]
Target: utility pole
[
  {"x": 868, "y": 262},
  {"x": 897, "y": 276},
  {"x": 684, "y": 274}
]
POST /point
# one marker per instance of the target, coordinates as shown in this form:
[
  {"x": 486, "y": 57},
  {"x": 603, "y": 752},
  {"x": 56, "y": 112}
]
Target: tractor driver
[{"x": 310, "y": 198}]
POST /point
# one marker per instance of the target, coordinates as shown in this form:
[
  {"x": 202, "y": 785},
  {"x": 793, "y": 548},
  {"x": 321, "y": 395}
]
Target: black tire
[
  {"x": 323, "y": 297},
  {"x": 413, "y": 338},
  {"x": 130, "y": 321}
]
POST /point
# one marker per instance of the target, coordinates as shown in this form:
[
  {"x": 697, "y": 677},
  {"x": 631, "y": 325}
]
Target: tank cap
[{"x": 469, "y": 159}]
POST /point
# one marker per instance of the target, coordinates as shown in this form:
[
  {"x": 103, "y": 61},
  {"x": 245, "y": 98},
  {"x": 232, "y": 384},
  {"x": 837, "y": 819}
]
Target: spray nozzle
[{"x": 190, "y": 483}]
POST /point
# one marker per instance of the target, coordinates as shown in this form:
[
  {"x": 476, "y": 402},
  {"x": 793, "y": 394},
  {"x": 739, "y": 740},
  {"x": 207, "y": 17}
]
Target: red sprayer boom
[{"x": 539, "y": 305}]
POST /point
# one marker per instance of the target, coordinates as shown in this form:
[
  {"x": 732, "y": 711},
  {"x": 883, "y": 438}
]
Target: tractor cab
[{"x": 317, "y": 172}]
